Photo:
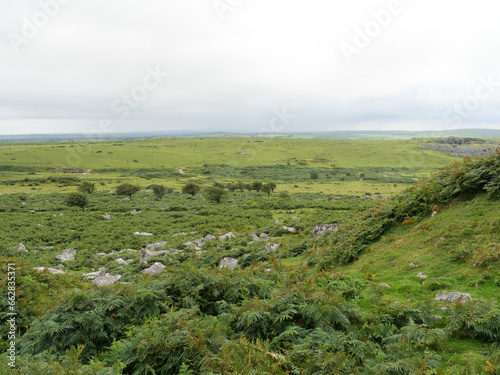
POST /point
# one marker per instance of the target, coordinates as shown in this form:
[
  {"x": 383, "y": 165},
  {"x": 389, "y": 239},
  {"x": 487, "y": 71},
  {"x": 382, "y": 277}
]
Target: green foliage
[
  {"x": 86, "y": 187},
  {"x": 127, "y": 189},
  {"x": 77, "y": 200},
  {"x": 216, "y": 194},
  {"x": 191, "y": 188},
  {"x": 160, "y": 190}
]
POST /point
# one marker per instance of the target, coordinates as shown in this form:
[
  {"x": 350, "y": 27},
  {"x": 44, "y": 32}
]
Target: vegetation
[
  {"x": 349, "y": 301},
  {"x": 127, "y": 189},
  {"x": 77, "y": 200}
]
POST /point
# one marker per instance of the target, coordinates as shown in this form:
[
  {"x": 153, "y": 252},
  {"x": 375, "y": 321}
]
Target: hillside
[{"x": 186, "y": 285}]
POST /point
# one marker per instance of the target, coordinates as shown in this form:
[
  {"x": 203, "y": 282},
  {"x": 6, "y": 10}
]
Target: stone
[
  {"x": 276, "y": 223},
  {"x": 153, "y": 246},
  {"x": 107, "y": 279},
  {"x": 20, "y": 247},
  {"x": 210, "y": 237},
  {"x": 295, "y": 218},
  {"x": 145, "y": 254},
  {"x": 422, "y": 276},
  {"x": 254, "y": 237},
  {"x": 290, "y": 229},
  {"x": 179, "y": 234},
  {"x": 93, "y": 275},
  {"x": 154, "y": 269},
  {"x": 192, "y": 245},
  {"x": 228, "y": 262},
  {"x": 453, "y": 297},
  {"x": 412, "y": 265},
  {"x": 320, "y": 229},
  {"x": 135, "y": 212},
  {"x": 33, "y": 211},
  {"x": 66, "y": 255},
  {"x": 121, "y": 261},
  {"x": 226, "y": 236},
  {"x": 385, "y": 285},
  {"x": 107, "y": 216},
  {"x": 272, "y": 246},
  {"x": 142, "y": 234},
  {"x": 50, "y": 270},
  {"x": 264, "y": 237},
  {"x": 101, "y": 254},
  {"x": 290, "y": 211},
  {"x": 128, "y": 250}
]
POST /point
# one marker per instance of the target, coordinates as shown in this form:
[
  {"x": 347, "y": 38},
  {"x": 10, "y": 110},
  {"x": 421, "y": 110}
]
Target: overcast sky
[{"x": 104, "y": 66}]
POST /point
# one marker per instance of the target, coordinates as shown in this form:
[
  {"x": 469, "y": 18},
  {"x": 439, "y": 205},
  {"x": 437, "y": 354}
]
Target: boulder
[
  {"x": 264, "y": 237},
  {"x": 153, "y": 246},
  {"x": 210, "y": 237},
  {"x": 20, "y": 247},
  {"x": 107, "y": 216},
  {"x": 290, "y": 229},
  {"x": 142, "y": 234},
  {"x": 272, "y": 246},
  {"x": 453, "y": 297},
  {"x": 50, "y": 270},
  {"x": 192, "y": 245},
  {"x": 135, "y": 212},
  {"x": 276, "y": 223},
  {"x": 93, "y": 275},
  {"x": 179, "y": 234},
  {"x": 226, "y": 236},
  {"x": 66, "y": 255},
  {"x": 154, "y": 269},
  {"x": 145, "y": 254},
  {"x": 121, "y": 261},
  {"x": 107, "y": 279},
  {"x": 422, "y": 276},
  {"x": 254, "y": 237},
  {"x": 228, "y": 262},
  {"x": 320, "y": 229}
]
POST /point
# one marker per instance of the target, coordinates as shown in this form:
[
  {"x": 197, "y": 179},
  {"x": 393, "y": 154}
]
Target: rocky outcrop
[
  {"x": 66, "y": 255},
  {"x": 453, "y": 297},
  {"x": 272, "y": 246},
  {"x": 147, "y": 253},
  {"x": 50, "y": 270},
  {"x": 107, "y": 279},
  {"x": 154, "y": 269},
  {"x": 228, "y": 262},
  {"x": 153, "y": 246},
  {"x": 226, "y": 236},
  {"x": 320, "y": 229}
]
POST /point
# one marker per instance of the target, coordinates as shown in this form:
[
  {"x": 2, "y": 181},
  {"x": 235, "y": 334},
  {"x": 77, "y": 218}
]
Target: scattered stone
[
  {"x": 145, "y": 254},
  {"x": 453, "y": 297},
  {"x": 226, "y": 236},
  {"x": 295, "y": 218},
  {"x": 272, "y": 246},
  {"x": 23, "y": 203},
  {"x": 127, "y": 250},
  {"x": 107, "y": 279},
  {"x": 121, "y": 261},
  {"x": 276, "y": 223},
  {"x": 101, "y": 254},
  {"x": 50, "y": 270},
  {"x": 231, "y": 200},
  {"x": 142, "y": 234},
  {"x": 93, "y": 275},
  {"x": 61, "y": 214},
  {"x": 154, "y": 269},
  {"x": 19, "y": 247},
  {"x": 153, "y": 246},
  {"x": 422, "y": 276},
  {"x": 209, "y": 238},
  {"x": 39, "y": 225},
  {"x": 66, "y": 255},
  {"x": 107, "y": 216},
  {"x": 444, "y": 308},
  {"x": 228, "y": 262},
  {"x": 135, "y": 212},
  {"x": 254, "y": 237},
  {"x": 320, "y": 229},
  {"x": 290, "y": 211},
  {"x": 33, "y": 211},
  {"x": 385, "y": 285},
  {"x": 290, "y": 229},
  {"x": 412, "y": 265},
  {"x": 179, "y": 234},
  {"x": 264, "y": 237},
  {"x": 437, "y": 317}
]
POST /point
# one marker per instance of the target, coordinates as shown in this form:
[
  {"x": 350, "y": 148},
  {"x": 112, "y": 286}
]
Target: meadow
[{"x": 347, "y": 301}]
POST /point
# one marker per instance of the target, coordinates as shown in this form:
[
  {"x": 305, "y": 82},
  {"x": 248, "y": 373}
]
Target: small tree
[
  {"x": 127, "y": 189},
  {"x": 86, "y": 187},
  {"x": 216, "y": 194},
  {"x": 314, "y": 175},
  {"x": 191, "y": 188},
  {"x": 272, "y": 185},
  {"x": 267, "y": 188},
  {"x": 160, "y": 190},
  {"x": 77, "y": 200},
  {"x": 240, "y": 186},
  {"x": 257, "y": 186}
]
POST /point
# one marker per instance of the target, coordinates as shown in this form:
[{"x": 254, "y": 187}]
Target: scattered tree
[
  {"x": 127, "y": 189},
  {"x": 191, "y": 188},
  {"x": 215, "y": 194},
  {"x": 86, "y": 187},
  {"x": 314, "y": 175},
  {"x": 267, "y": 188},
  {"x": 160, "y": 190},
  {"x": 77, "y": 200},
  {"x": 240, "y": 186},
  {"x": 257, "y": 186},
  {"x": 272, "y": 185}
]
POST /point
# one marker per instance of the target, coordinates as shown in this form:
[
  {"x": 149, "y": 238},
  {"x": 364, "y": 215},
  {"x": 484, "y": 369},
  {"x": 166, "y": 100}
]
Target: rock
[
  {"x": 154, "y": 269},
  {"x": 226, "y": 236},
  {"x": 272, "y": 246},
  {"x": 276, "y": 223},
  {"x": 210, "y": 237},
  {"x": 179, "y": 234},
  {"x": 254, "y": 237},
  {"x": 412, "y": 265},
  {"x": 166, "y": 252},
  {"x": 121, "y": 261},
  {"x": 453, "y": 297},
  {"x": 264, "y": 237},
  {"x": 290, "y": 211},
  {"x": 228, "y": 262},
  {"x": 61, "y": 214},
  {"x": 50, "y": 270},
  {"x": 33, "y": 211},
  {"x": 66, "y": 255},
  {"x": 145, "y": 254},
  {"x": 385, "y": 285},
  {"x": 39, "y": 225},
  {"x": 320, "y": 229},
  {"x": 153, "y": 246},
  {"x": 295, "y": 218},
  {"x": 127, "y": 250},
  {"x": 231, "y": 200},
  {"x": 107, "y": 279},
  {"x": 135, "y": 212},
  {"x": 93, "y": 275},
  {"x": 19, "y": 247},
  {"x": 142, "y": 234},
  {"x": 101, "y": 254},
  {"x": 290, "y": 229},
  {"x": 422, "y": 276},
  {"x": 192, "y": 245},
  {"x": 107, "y": 216},
  {"x": 439, "y": 241}
]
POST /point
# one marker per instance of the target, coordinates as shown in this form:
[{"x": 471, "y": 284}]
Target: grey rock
[
  {"x": 145, "y": 254},
  {"x": 66, "y": 255},
  {"x": 107, "y": 279},
  {"x": 228, "y": 262},
  {"x": 264, "y": 237},
  {"x": 93, "y": 275},
  {"x": 295, "y": 218},
  {"x": 121, "y": 261},
  {"x": 254, "y": 237},
  {"x": 385, "y": 285},
  {"x": 135, "y": 212},
  {"x": 226, "y": 236},
  {"x": 107, "y": 216},
  {"x": 453, "y": 297},
  {"x": 290, "y": 211},
  {"x": 422, "y": 276},
  {"x": 153, "y": 246},
  {"x": 320, "y": 229},
  {"x": 179, "y": 234},
  {"x": 50, "y": 270},
  {"x": 101, "y": 254},
  {"x": 154, "y": 269},
  {"x": 20, "y": 247},
  {"x": 142, "y": 234},
  {"x": 412, "y": 265},
  {"x": 209, "y": 238},
  {"x": 276, "y": 223},
  {"x": 290, "y": 229},
  {"x": 128, "y": 250},
  {"x": 192, "y": 245},
  {"x": 272, "y": 246}
]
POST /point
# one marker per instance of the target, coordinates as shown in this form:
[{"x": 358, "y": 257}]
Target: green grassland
[{"x": 345, "y": 302}]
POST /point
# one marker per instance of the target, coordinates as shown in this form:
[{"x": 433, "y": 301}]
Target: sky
[{"x": 259, "y": 66}]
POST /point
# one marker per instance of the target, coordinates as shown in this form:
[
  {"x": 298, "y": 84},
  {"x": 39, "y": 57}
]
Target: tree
[
  {"x": 240, "y": 185},
  {"x": 257, "y": 186},
  {"x": 267, "y": 188},
  {"x": 77, "y": 200},
  {"x": 160, "y": 190},
  {"x": 86, "y": 187},
  {"x": 191, "y": 188},
  {"x": 127, "y": 189},
  {"x": 272, "y": 185},
  {"x": 215, "y": 194}
]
